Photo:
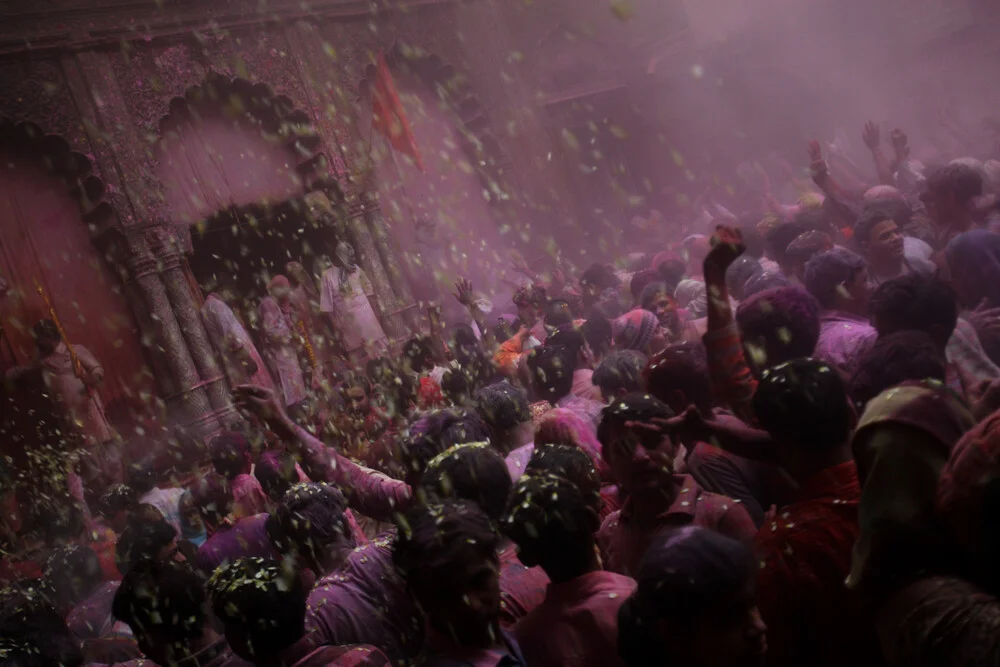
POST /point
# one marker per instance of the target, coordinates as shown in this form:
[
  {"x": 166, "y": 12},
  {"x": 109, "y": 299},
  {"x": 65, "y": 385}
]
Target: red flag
[{"x": 388, "y": 116}]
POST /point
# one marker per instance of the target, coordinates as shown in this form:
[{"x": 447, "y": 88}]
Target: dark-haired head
[
  {"x": 72, "y": 573},
  {"x": 894, "y": 359},
  {"x": 641, "y": 458},
  {"x": 659, "y": 299},
  {"x": 558, "y": 314},
  {"x": 778, "y": 325},
  {"x": 46, "y": 335},
  {"x": 739, "y": 272},
  {"x": 572, "y": 337},
  {"x": 262, "y": 604},
  {"x": 505, "y": 409},
  {"x": 838, "y": 279},
  {"x": 473, "y": 472},
  {"x": 598, "y": 333},
  {"x": 418, "y": 353},
  {"x": 439, "y": 431},
  {"x": 694, "y": 604},
  {"x": 165, "y": 606},
  {"x": 551, "y": 370},
  {"x": 763, "y": 281},
  {"x": 620, "y": 374},
  {"x": 145, "y": 539},
  {"x": 915, "y": 303},
  {"x": 115, "y": 504},
  {"x": 33, "y": 633},
  {"x": 803, "y": 404},
  {"x": 678, "y": 376},
  {"x": 275, "y": 470},
  {"x": 641, "y": 280},
  {"x": 553, "y": 526},
  {"x": 530, "y": 301},
  {"x": 310, "y": 524},
  {"x": 877, "y": 235},
  {"x": 212, "y": 496},
  {"x": 572, "y": 463},
  {"x": 231, "y": 456},
  {"x": 948, "y": 194},
  {"x": 447, "y": 555}
]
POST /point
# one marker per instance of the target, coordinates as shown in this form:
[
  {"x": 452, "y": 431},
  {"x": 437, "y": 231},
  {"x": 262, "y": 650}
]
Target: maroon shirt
[
  {"x": 521, "y": 588},
  {"x": 805, "y": 555},
  {"x": 365, "y": 602},
  {"x": 623, "y": 540},
  {"x": 577, "y": 624},
  {"x": 311, "y": 652}
]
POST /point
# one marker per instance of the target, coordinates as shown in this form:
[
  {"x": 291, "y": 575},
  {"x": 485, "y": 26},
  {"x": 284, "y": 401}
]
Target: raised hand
[
  {"x": 900, "y": 144},
  {"x": 727, "y": 246},
  {"x": 872, "y": 135},
  {"x": 260, "y": 404},
  {"x": 463, "y": 292}
]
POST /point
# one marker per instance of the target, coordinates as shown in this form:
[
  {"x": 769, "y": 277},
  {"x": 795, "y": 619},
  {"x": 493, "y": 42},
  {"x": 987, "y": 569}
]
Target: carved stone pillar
[
  {"x": 397, "y": 279},
  {"x": 368, "y": 257},
  {"x": 211, "y": 377},
  {"x": 190, "y": 400}
]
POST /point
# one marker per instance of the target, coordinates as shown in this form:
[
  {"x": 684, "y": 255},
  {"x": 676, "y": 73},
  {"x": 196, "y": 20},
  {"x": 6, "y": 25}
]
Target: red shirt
[
  {"x": 577, "y": 624},
  {"x": 805, "y": 555},
  {"x": 521, "y": 588},
  {"x": 623, "y": 539}
]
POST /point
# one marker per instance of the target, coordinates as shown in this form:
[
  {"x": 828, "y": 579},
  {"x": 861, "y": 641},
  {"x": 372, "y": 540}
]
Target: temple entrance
[{"x": 240, "y": 249}]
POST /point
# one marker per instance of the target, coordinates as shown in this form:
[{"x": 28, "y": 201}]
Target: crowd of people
[{"x": 772, "y": 442}]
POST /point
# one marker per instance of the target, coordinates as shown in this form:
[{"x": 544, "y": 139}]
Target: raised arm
[
  {"x": 368, "y": 491},
  {"x": 731, "y": 378},
  {"x": 872, "y": 137},
  {"x": 466, "y": 297}
]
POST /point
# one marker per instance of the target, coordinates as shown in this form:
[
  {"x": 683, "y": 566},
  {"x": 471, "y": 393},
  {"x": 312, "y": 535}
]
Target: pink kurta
[
  {"x": 347, "y": 302},
  {"x": 232, "y": 343},
  {"x": 276, "y": 335},
  {"x": 86, "y": 411}
]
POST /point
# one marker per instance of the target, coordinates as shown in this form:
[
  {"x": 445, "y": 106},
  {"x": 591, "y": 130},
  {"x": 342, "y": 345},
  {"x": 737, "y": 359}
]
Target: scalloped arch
[
  {"x": 480, "y": 144},
  {"x": 72, "y": 167},
  {"x": 253, "y": 105}
]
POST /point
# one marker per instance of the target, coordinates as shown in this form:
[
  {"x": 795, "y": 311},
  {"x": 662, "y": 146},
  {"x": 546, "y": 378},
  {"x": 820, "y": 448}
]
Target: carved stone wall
[{"x": 103, "y": 76}]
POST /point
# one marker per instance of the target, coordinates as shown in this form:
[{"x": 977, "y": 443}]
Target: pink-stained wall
[
  {"x": 43, "y": 238},
  {"x": 449, "y": 193},
  {"x": 213, "y": 164}
]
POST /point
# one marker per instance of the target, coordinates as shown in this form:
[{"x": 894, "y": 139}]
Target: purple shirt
[
  {"x": 843, "y": 338},
  {"x": 366, "y": 602},
  {"x": 577, "y": 624},
  {"x": 247, "y": 538}
]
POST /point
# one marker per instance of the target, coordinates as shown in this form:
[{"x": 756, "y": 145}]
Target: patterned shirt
[
  {"x": 805, "y": 556},
  {"x": 577, "y": 624},
  {"x": 968, "y": 364},
  {"x": 623, "y": 540},
  {"x": 521, "y": 588}
]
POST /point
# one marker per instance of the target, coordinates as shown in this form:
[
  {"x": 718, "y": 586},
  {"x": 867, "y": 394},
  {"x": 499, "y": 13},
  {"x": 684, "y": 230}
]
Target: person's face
[
  {"x": 732, "y": 634},
  {"x": 528, "y": 314},
  {"x": 171, "y": 552},
  {"x": 467, "y": 605},
  {"x": 280, "y": 291},
  {"x": 885, "y": 241},
  {"x": 190, "y": 513},
  {"x": 357, "y": 401},
  {"x": 47, "y": 345},
  {"x": 641, "y": 467},
  {"x": 665, "y": 309},
  {"x": 346, "y": 254}
]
